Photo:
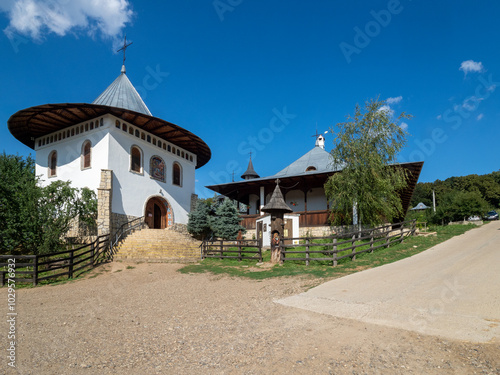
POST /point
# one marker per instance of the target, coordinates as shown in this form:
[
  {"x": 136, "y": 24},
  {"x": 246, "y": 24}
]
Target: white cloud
[
  {"x": 387, "y": 109},
  {"x": 404, "y": 126},
  {"x": 37, "y": 18},
  {"x": 395, "y": 100},
  {"x": 471, "y": 66},
  {"x": 479, "y": 117}
]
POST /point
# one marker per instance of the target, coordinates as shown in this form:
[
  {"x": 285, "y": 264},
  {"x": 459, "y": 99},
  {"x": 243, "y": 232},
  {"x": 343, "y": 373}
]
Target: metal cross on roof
[
  {"x": 318, "y": 134},
  {"x": 124, "y": 48}
]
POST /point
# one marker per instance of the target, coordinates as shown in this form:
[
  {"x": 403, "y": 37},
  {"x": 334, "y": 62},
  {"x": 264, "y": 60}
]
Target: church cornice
[{"x": 34, "y": 122}]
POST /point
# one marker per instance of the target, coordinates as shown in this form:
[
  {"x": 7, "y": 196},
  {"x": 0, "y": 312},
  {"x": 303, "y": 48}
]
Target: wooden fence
[
  {"x": 349, "y": 244},
  {"x": 236, "y": 249},
  {"x": 36, "y": 268}
]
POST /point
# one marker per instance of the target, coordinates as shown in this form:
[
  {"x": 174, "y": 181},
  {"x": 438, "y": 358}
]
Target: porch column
[
  {"x": 262, "y": 197},
  {"x": 305, "y": 207}
]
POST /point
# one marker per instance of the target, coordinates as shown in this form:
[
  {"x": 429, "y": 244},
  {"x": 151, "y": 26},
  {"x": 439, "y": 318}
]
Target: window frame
[
  {"x": 141, "y": 160},
  {"x": 85, "y": 143},
  {"x": 179, "y": 166},
  {"x": 52, "y": 170}
]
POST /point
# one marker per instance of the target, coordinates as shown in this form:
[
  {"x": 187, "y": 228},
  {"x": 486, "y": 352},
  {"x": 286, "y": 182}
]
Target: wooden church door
[
  {"x": 157, "y": 217},
  {"x": 156, "y": 213}
]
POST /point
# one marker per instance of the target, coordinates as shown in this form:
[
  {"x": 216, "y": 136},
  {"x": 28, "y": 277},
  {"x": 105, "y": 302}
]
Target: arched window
[
  {"x": 157, "y": 168},
  {"x": 136, "y": 159},
  {"x": 177, "y": 174},
  {"x": 311, "y": 168},
  {"x": 52, "y": 164},
  {"x": 86, "y": 149}
]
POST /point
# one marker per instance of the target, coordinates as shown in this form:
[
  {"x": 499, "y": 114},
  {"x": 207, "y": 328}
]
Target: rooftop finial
[
  {"x": 124, "y": 48},
  {"x": 320, "y": 139}
]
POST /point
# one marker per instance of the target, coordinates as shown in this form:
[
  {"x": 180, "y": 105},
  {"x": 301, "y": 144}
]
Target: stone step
[{"x": 158, "y": 245}]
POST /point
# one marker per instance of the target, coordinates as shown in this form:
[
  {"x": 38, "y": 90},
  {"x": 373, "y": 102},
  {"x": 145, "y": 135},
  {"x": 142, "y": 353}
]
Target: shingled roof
[{"x": 276, "y": 203}]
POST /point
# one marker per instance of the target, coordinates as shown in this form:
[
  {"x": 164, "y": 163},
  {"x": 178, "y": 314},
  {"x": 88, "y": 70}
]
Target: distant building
[
  {"x": 138, "y": 164},
  {"x": 302, "y": 184}
]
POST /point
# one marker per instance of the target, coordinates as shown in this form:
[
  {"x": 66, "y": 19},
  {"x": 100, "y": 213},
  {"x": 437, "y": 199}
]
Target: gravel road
[{"x": 151, "y": 319}]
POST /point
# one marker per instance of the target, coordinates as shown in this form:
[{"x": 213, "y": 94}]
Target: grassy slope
[{"x": 250, "y": 269}]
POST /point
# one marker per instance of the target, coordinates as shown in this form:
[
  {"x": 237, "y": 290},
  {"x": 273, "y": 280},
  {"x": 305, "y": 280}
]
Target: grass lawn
[{"x": 251, "y": 269}]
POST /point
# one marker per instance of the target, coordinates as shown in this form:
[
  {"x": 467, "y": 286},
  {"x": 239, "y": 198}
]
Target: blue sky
[{"x": 259, "y": 75}]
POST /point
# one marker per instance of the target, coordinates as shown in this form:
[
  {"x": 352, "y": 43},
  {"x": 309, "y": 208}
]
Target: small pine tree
[
  {"x": 226, "y": 222},
  {"x": 198, "y": 224}
]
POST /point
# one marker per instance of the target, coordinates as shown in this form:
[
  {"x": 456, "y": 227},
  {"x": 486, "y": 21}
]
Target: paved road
[{"x": 451, "y": 290}]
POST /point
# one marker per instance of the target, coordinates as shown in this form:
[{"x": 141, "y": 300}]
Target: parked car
[
  {"x": 492, "y": 215},
  {"x": 474, "y": 218}
]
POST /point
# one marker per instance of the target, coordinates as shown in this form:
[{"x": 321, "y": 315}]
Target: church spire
[{"x": 250, "y": 172}]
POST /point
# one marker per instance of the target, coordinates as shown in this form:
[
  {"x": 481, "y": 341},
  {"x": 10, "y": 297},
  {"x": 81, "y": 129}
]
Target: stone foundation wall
[
  {"x": 181, "y": 228},
  {"x": 323, "y": 231},
  {"x": 117, "y": 220}
]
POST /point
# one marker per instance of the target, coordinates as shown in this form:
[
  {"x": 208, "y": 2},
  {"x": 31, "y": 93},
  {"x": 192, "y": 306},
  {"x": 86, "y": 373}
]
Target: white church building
[{"x": 138, "y": 164}]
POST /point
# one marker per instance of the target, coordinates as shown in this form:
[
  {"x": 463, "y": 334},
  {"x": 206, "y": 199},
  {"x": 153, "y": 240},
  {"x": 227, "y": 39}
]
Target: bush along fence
[
  {"x": 49, "y": 267},
  {"x": 237, "y": 249},
  {"x": 345, "y": 245}
]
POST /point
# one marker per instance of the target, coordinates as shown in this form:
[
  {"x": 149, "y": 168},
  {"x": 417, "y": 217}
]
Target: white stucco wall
[
  {"x": 69, "y": 151},
  {"x": 131, "y": 190},
  {"x": 295, "y": 200},
  {"x": 316, "y": 199},
  {"x": 111, "y": 150}
]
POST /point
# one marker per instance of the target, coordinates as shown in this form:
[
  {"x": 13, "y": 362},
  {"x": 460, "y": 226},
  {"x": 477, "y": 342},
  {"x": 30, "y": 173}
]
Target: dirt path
[
  {"x": 451, "y": 290},
  {"x": 153, "y": 320}
]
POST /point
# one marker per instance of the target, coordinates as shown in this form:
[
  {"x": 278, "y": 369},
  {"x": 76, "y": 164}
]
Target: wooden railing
[
  {"x": 237, "y": 249},
  {"x": 71, "y": 263},
  {"x": 349, "y": 244}
]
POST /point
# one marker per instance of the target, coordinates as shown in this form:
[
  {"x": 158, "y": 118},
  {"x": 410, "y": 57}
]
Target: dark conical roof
[
  {"x": 276, "y": 203},
  {"x": 250, "y": 172}
]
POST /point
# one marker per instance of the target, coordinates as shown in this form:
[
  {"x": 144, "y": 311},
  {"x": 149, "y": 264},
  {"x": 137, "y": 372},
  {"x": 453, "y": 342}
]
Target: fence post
[
  {"x": 371, "y": 240},
  {"x": 402, "y": 233},
  {"x": 92, "y": 254},
  {"x": 35, "y": 271},
  {"x": 239, "y": 251},
  {"x": 335, "y": 252},
  {"x": 260, "y": 249},
  {"x": 201, "y": 250},
  {"x": 282, "y": 250},
  {"x": 71, "y": 259},
  {"x": 221, "y": 248},
  {"x": 307, "y": 251},
  {"x": 353, "y": 250},
  {"x": 413, "y": 226},
  {"x": 387, "y": 238}
]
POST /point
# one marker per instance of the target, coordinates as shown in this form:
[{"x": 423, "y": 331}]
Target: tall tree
[
  {"x": 198, "y": 224},
  {"x": 19, "y": 194},
  {"x": 365, "y": 146},
  {"x": 226, "y": 222}
]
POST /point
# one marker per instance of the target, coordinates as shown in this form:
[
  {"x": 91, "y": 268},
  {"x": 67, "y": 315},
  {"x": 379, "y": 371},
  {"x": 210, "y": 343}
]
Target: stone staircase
[{"x": 158, "y": 245}]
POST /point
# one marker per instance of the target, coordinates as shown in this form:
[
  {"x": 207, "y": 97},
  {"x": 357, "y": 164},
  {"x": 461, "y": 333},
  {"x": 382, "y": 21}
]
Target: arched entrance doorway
[{"x": 158, "y": 213}]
